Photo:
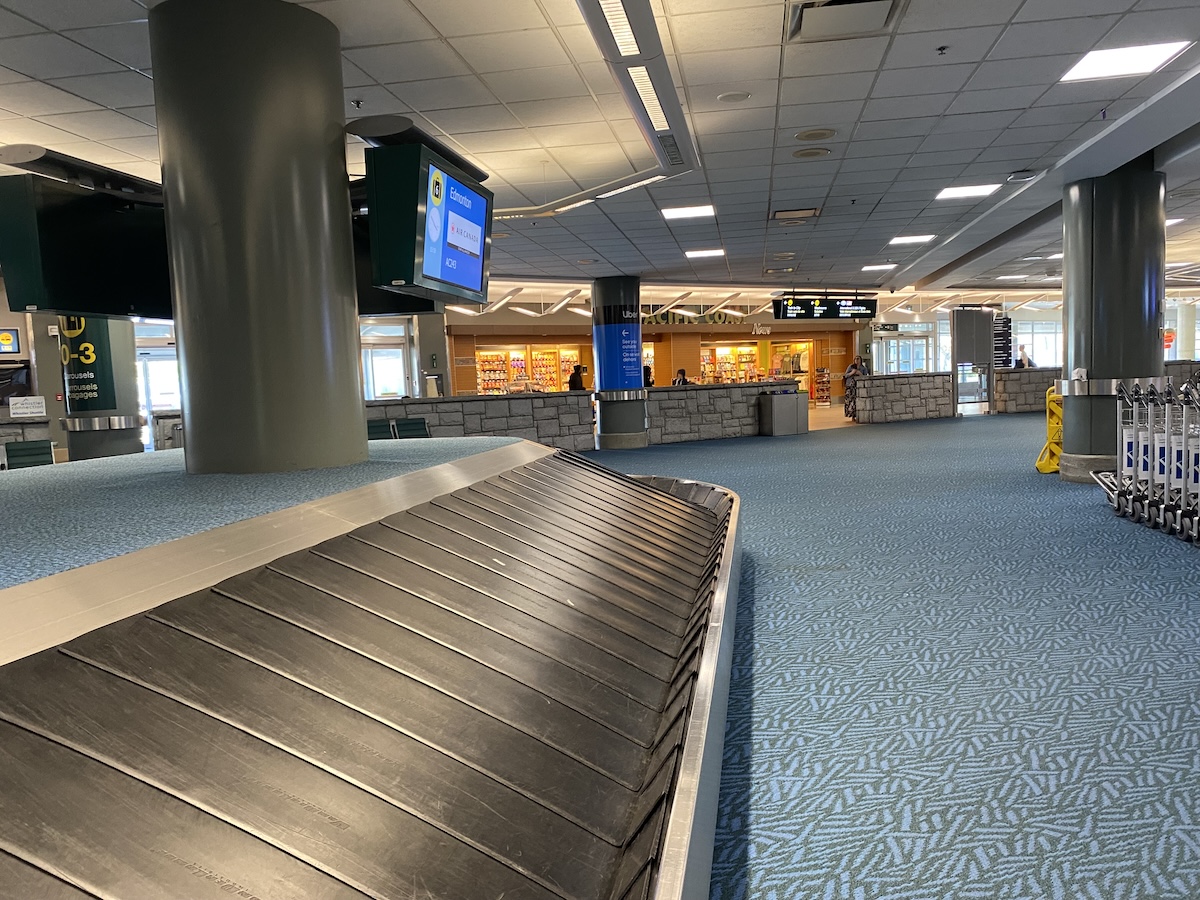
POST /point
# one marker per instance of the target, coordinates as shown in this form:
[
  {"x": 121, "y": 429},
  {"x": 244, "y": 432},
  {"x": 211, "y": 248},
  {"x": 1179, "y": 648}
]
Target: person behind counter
[
  {"x": 647, "y": 377},
  {"x": 1023, "y": 360},
  {"x": 854, "y": 371},
  {"x": 575, "y": 381},
  {"x": 681, "y": 377}
]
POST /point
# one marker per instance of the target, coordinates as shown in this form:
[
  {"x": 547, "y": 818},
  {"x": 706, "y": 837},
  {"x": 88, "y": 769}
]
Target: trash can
[{"x": 783, "y": 413}]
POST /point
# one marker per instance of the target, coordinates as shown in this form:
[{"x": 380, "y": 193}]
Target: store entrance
[
  {"x": 902, "y": 354},
  {"x": 794, "y": 360}
]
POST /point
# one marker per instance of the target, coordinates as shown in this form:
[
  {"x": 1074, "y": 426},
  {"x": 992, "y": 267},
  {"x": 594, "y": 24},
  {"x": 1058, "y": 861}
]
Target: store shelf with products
[
  {"x": 544, "y": 370},
  {"x": 492, "y": 371},
  {"x": 821, "y": 387},
  {"x": 568, "y": 359},
  {"x": 505, "y": 368}
]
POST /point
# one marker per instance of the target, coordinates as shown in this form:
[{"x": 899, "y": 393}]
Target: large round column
[
  {"x": 617, "y": 350},
  {"x": 248, "y": 95},
  {"x": 1114, "y": 251}
]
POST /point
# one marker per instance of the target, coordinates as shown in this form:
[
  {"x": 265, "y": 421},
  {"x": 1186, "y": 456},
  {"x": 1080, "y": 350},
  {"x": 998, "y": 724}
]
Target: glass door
[
  {"x": 903, "y": 354},
  {"x": 158, "y": 386},
  {"x": 386, "y": 373}
]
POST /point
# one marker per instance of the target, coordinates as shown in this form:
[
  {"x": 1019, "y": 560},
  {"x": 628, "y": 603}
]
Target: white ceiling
[{"x": 953, "y": 92}]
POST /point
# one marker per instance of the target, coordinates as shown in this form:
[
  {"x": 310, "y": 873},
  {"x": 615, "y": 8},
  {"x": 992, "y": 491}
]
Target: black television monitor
[
  {"x": 68, "y": 249},
  {"x": 823, "y": 307},
  {"x": 431, "y": 225}
]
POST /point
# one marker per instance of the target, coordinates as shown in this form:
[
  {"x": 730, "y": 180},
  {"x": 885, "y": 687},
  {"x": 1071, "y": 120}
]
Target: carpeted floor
[
  {"x": 954, "y": 678},
  {"x": 60, "y": 517}
]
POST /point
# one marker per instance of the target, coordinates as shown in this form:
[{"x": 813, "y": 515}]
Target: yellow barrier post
[{"x": 1047, "y": 461}]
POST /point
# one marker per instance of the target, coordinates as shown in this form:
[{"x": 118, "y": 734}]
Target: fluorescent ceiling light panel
[
  {"x": 913, "y": 239},
  {"x": 1029, "y": 258},
  {"x": 1123, "y": 61},
  {"x": 1011, "y": 277},
  {"x": 882, "y": 267},
  {"x": 969, "y": 190},
  {"x": 688, "y": 212},
  {"x": 701, "y": 254},
  {"x": 618, "y": 24},
  {"x": 645, "y": 89},
  {"x": 630, "y": 187},
  {"x": 1171, "y": 222},
  {"x": 563, "y": 209}
]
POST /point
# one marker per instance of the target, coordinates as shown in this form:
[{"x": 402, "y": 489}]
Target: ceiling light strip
[
  {"x": 618, "y": 24},
  {"x": 629, "y": 187},
  {"x": 640, "y": 76}
]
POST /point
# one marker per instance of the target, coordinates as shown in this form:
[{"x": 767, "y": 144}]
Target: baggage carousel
[{"x": 510, "y": 687}]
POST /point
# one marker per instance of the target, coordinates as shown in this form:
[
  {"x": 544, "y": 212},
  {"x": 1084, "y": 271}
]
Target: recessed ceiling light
[
  {"x": 734, "y": 96},
  {"x": 701, "y": 254},
  {"x": 1021, "y": 176},
  {"x": 816, "y": 134},
  {"x": 811, "y": 153},
  {"x": 1055, "y": 256},
  {"x": 780, "y": 271},
  {"x": 1011, "y": 277},
  {"x": 1171, "y": 222},
  {"x": 688, "y": 212},
  {"x": 913, "y": 239},
  {"x": 1125, "y": 61},
  {"x": 791, "y": 215},
  {"x": 882, "y": 267},
  {"x": 969, "y": 190},
  {"x": 783, "y": 256},
  {"x": 584, "y": 262}
]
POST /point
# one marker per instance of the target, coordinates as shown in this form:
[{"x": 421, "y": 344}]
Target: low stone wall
[
  {"x": 1181, "y": 370},
  {"x": 701, "y": 412},
  {"x": 22, "y": 429},
  {"x": 562, "y": 420},
  {"x": 1024, "y": 390},
  {"x": 904, "y": 398}
]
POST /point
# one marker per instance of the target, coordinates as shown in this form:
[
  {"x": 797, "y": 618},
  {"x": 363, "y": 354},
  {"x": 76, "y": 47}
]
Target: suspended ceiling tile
[
  {"x": 147, "y": 114},
  {"x": 443, "y": 93},
  {"x": 582, "y": 134},
  {"x": 719, "y": 67},
  {"x": 922, "y": 80},
  {"x": 752, "y": 27},
  {"x": 141, "y": 147},
  {"x": 975, "y": 121},
  {"x": 33, "y": 98},
  {"x": 963, "y": 45},
  {"x": 1018, "y": 136},
  {"x": 730, "y": 120},
  {"x": 580, "y": 44},
  {"x": 30, "y": 131},
  {"x": 959, "y": 140},
  {"x": 826, "y": 89},
  {"x": 933, "y": 15},
  {"x": 114, "y": 90},
  {"x": 821, "y": 115},
  {"x": 365, "y": 23},
  {"x": 1020, "y": 156},
  {"x": 703, "y": 98},
  {"x": 945, "y": 158},
  {"x": 497, "y": 141},
  {"x": 888, "y": 147},
  {"x": 12, "y": 25},
  {"x": 865, "y": 163},
  {"x": 1082, "y": 93},
  {"x": 990, "y": 101},
  {"x": 150, "y": 171},
  {"x": 1039, "y": 39},
  {"x": 1063, "y": 9},
  {"x": 408, "y": 62},
  {"x": 473, "y": 119},
  {"x": 46, "y": 56},
  {"x": 557, "y": 111},
  {"x": 128, "y": 44},
  {"x": 833, "y": 57},
  {"x": 1005, "y": 73},
  {"x": 1051, "y": 115},
  {"x": 372, "y": 100},
  {"x": 60, "y": 16},
  {"x": 746, "y": 140},
  {"x": 353, "y": 76},
  {"x": 465, "y": 17},
  {"x": 907, "y": 107},
  {"x": 895, "y": 128},
  {"x": 99, "y": 125},
  {"x": 96, "y": 153},
  {"x": 510, "y": 50}
]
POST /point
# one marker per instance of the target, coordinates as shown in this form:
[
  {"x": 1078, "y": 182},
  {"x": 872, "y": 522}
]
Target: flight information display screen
[
  {"x": 455, "y": 223},
  {"x": 825, "y": 308}
]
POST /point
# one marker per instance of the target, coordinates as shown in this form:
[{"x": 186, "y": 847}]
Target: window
[{"x": 1043, "y": 341}]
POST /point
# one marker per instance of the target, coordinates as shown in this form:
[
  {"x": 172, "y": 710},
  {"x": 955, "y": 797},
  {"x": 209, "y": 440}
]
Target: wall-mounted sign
[
  {"x": 87, "y": 364},
  {"x": 825, "y": 307},
  {"x": 27, "y": 407},
  {"x": 888, "y": 326},
  {"x": 673, "y": 318},
  {"x": 760, "y": 329}
]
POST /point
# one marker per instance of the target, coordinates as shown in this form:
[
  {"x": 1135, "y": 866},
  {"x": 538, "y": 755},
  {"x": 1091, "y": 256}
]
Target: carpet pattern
[
  {"x": 954, "y": 678},
  {"x": 60, "y": 517}
]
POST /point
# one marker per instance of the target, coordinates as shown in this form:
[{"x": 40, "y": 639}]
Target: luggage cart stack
[{"x": 1157, "y": 481}]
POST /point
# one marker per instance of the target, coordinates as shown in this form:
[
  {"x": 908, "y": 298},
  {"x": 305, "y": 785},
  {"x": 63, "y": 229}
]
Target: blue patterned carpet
[
  {"x": 954, "y": 678},
  {"x": 60, "y": 517}
]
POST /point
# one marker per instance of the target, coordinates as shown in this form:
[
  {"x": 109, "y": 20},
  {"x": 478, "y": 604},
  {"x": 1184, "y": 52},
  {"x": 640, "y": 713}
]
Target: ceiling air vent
[
  {"x": 828, "y": 20},
  {"x": 671, "y": 149}
]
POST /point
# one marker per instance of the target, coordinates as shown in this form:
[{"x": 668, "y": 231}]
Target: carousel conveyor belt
[{"x": 485, "y": 695}]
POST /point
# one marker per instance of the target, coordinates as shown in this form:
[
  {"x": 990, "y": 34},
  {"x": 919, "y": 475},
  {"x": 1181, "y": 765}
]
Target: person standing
[
  {"x": 681, "y": 377},
  {"x": 857, "y": 369},
  {"x": 647, "y": 377},
  {"x": 1023, "y": 360},
  {"x": 575, "y": 381}
]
